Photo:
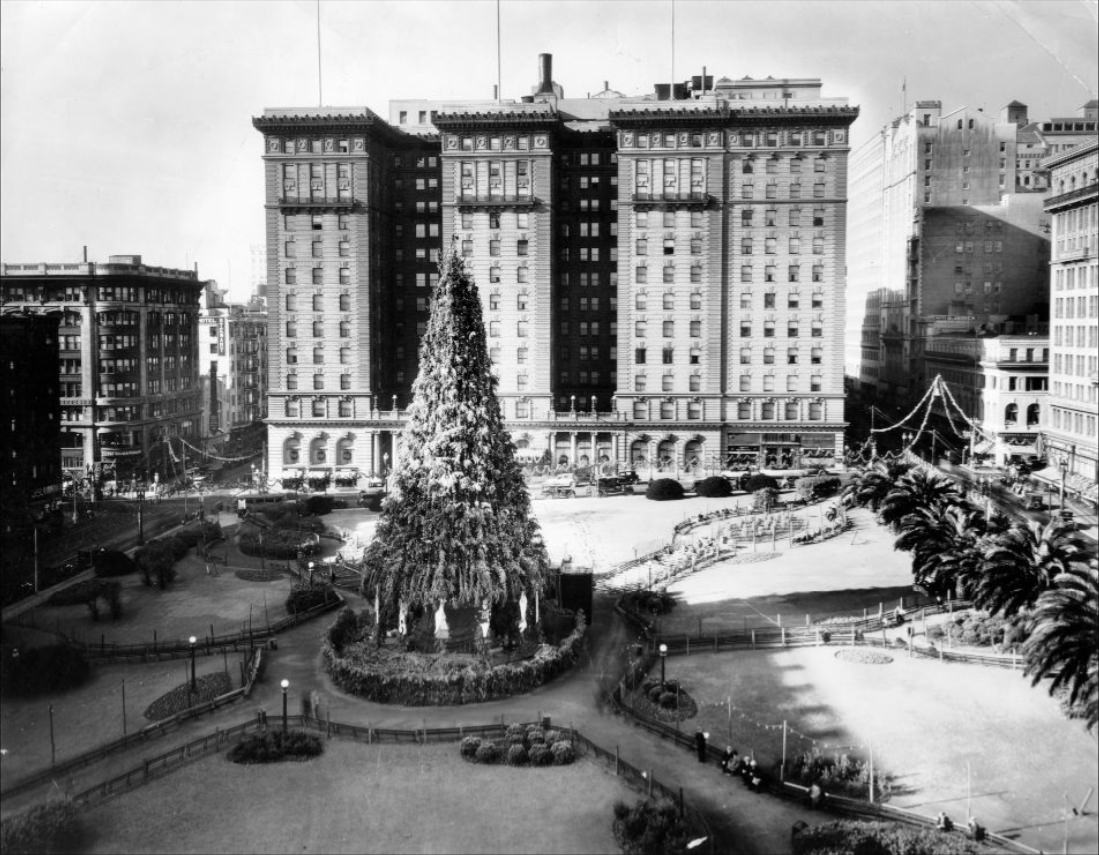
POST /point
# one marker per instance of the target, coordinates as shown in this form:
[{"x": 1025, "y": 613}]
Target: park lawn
[
  {"x": 926, "y": 720},
  {"x": 365, "y": 798},
  {"x": 90, "y": 715}
]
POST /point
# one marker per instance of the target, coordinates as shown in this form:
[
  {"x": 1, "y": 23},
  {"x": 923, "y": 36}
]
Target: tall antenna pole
[
  {"x": 671, "y": 93},
  {"x": 320, "y": 86},
  {"x": 499, "y": 78}
]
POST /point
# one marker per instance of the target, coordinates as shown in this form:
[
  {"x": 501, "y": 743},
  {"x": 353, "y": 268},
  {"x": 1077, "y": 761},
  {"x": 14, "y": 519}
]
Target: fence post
[
  {"x": 783, "y": 636},
  {"x": 753, "y": 639}
]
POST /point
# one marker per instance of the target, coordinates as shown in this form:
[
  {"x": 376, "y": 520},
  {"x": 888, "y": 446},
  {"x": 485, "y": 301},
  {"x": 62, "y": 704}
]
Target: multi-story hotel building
[
  {"x": 232, "y": 354},
  {"x": 1070, "y": 427},
  {"x": 129, "y": 370},
  {"x": 662, "y": 277}
]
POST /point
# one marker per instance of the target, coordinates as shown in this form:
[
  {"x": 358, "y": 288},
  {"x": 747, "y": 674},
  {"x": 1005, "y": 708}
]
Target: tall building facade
[
  {"x": 944, "y": 216},
  {"x": 30, "y": 432},
  {"x": 128, "y": 376},
  {"x": 662, "y": 279},
  {"x": 1070, "y": 429},
  {"x": 232, "y": 354}
]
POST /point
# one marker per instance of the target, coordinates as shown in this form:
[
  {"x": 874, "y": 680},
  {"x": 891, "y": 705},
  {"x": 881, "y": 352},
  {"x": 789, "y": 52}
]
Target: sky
[{"x": 126, "y": 126}]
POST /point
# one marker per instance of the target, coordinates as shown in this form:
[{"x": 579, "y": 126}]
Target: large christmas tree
[{"x": 456, "y": 527}]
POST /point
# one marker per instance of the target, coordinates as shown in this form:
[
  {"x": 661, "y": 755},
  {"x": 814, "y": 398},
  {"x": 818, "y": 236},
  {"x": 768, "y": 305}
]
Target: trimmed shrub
[
  {"x": 51, "y": 827},
  {"x": 111, "y": 562},
  {"x": 563, "y": 753},
  {"x": 765, "y": 499},
  {"x": 535, "y": 735},
  {"x": 317, "y": 505},
  {"x": 157, "y": 560},
  {"x": 817, "y": 487},
  {"x": 38, "y": 670},
  {"x": 208, "y": 687},
  {"x": 553, "y": 736},
  {"x": 871, "y": 838},
  {"x": 540, "y": 755},
  {"x": 714, "y": 487},
  {"x": 517, "y": 755},
  {"x": 304, "y": 597},
  {"x": 515, "y": 731},
  {"x": 668, "y": 700},
  {"x": 664, "y": 489},
  {"x": 275, "y": 746},
  {"x": 648, "y": 827},
  {"x": 654, "y": 693},
  {"x": 468, "y": 746},
  {"x": 759, "y": 481},
  {"x": 487, "y": 752}
]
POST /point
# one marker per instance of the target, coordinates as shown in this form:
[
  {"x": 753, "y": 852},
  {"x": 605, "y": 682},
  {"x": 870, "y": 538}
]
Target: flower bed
[
  {"x": 259, "y": 575},
  {"x": 852, "y": 836},
  {"x": 181, "y": 698},
  {"x": 667, "y": 702},
  {"x": 359, "y": 668},
  {"x": 529, "y": 746},
  {"x": 274, "y": 746},
  {"x": 864, "y": 657},
  {"x": 648, "y": 827},
  {"x": 50, "y": 827}
]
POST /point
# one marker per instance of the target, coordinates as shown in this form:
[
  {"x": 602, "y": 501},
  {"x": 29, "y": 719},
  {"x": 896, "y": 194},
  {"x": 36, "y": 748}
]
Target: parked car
[
  {"x": 1033, "y": 502},
  {"x": 614, "y": 487}
]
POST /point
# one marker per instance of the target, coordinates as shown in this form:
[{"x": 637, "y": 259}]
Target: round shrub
[
  {"x": 540, "y": 755},
  {"x": 563, "y": 753},
  {"x": 663, "y": 489},
  {"x": 553, "y": 736},
  {"x": 487, "y": 752},
  {"x": 112, "y": 562},
  {"x": 318, "y": 505},
  {"x": 714, "y": 487},
  {"x": 517, "y": 755},
  {"x": 668, "y": 700},
  {"x": 655, "y": 692},
  {"x": 759, "y": 481},
  {"x": 513, "y": 731},
  {"x": 468, "y": 747},
  {"x": 535, "y": 735}
]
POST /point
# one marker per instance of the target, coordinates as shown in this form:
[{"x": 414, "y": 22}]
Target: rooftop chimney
[{"x": 545, "y": 67}]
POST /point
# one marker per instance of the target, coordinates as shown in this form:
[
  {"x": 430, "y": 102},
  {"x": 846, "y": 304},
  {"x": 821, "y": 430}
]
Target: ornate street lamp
[
  {"x": 1064, "y": 472},
  {"x": 285, "y": 685},
  {"x": 141, "y": 517},
  {"x": 663, "y": 659}
]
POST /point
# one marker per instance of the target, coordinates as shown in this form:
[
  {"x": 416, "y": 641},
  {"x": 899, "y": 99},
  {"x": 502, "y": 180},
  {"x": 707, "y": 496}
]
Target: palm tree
[
  {"x": 948, "y": 545},
  {"x": 873, "y": 483},
  {"x": 1023, "y": 562},
  {"x": 1063, "y": 644},
  {"x": 916, "y": 489}
]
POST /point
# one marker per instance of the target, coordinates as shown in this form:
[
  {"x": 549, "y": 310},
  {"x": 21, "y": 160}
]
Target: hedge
[
  {"x": 275, "y": 746},
  {"x": 46, "y": 828},
  {"x": 714, "y": 487},
  {"x": 663, "y": 489},
  {"x": 845, "y": 836},
  {"x": 278, "y": 543},
  {"x": 648, "y": 827},
  {"x": 463, "y": 684},
  {"x": 759, "y": 481},
  {"x": 304, "y": 597}
]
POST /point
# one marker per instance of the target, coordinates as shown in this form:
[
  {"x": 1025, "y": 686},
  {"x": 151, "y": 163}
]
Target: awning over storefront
[
  {"x": 984, "y": 447},
  {"x": 290, "y": 474},
  {"x": 1051, "y": 475}
]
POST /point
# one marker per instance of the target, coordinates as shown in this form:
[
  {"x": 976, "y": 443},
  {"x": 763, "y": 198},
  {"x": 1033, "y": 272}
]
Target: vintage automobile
[{"x": 614, "y": 486}]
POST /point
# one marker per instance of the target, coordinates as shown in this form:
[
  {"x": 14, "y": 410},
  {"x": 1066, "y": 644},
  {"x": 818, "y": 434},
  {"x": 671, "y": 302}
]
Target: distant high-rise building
[
  {"x": 232, "y": 354},
  {"x": 942, "y": 220},
  {"x": 128, "y": 380},
  {"x": 662, "y": 278},
  {"x": 1069, "y": 427}
]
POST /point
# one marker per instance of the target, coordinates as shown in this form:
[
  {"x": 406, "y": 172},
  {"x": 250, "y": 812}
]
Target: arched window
[
  {"x": 291, "y": 449},
  {"x": 639, "y": 449},
  {"x": 345, "y": 451},
  {"x": 1011, "y": 414},
  {"x": 1033, "y": 412},
  {"x": 665, "y": 453},
  {"x": 318, "y": 451}
]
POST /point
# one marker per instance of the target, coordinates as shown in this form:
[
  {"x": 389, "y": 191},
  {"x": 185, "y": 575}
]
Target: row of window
[
  {"x": 318, "y": 329},
  {"x": 793, "y": 300},
  {"x": 1084, "y": 336},
  {"x": 746, "y": 411},
  {"x": 1074, "y": 422},
  {"x": 1080, "y": 366},
  {"x": 290, "y": 247},
  {"x": 771, "y": 164},
  {"x": 748, "y": 190},
  {"x": 1079, "y": 307},
  {"x": 318, "y": 409},
  {"x": 290, "y": 276},
  {"x": 770, "y": 245},
  {"x": 317, "y": 303},
  {"x": 318, "y": 381}
]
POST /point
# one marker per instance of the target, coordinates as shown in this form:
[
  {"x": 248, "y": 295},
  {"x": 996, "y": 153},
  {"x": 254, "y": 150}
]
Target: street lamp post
[
  {"x": 663, "y": 659},
  {"x": 141, "y": 517},
  {"x": 285, "y": 685},
  {"x": 311, "y": 574},
  {"x": 194, "y": 684},
  {"x": 1064, "y": 472}
]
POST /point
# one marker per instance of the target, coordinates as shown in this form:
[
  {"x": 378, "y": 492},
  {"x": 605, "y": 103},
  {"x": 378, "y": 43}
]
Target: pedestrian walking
[{"x": 700, "y": 745}]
